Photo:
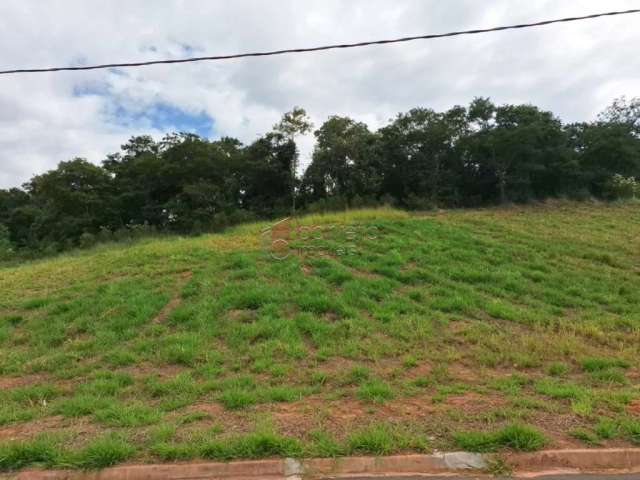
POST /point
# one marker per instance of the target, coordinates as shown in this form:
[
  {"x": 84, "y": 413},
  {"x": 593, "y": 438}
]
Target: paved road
[{"x": 635, "y": 476}]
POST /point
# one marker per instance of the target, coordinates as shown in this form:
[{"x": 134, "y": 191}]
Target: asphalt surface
[{"x": 633, "y": 476}]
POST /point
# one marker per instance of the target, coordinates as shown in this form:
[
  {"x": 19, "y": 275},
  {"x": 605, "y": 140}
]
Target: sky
[{"x": 575, "y": 70}]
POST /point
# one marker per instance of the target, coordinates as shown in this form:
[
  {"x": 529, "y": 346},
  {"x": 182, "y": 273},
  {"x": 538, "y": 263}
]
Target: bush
[
  {"x": 621, "y": 188},
  {"x": 87, "y": 240},
  {"x": 6, "y": 248}
]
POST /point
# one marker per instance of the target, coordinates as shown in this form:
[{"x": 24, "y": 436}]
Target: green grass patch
[
  {"x": 515, "y": 437},
  {"x": 516, "y": 305}
]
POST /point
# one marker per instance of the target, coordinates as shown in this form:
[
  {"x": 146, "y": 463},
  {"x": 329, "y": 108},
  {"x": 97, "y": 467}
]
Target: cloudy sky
[{"x": 573, "y": 69}]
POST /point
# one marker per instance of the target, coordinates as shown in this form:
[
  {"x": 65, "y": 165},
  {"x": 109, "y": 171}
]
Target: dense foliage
[{"x": 479, "y": 155}]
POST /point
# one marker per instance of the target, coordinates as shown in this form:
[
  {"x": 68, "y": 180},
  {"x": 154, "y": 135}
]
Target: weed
[
  {"x": 557, "y": 369},
  {"x": 130, "y": 415},
  {"x": 595, "y": 364},
  {"x": 238, "y": 398},
  {"x": 515, "y": 436},
  {"x": 382, "y": 439},
  {"x": 42, "y": 451},
  {"x": 104, "y": 452},
  {"x": 585, "y": 436},
  {"x": 375, "y": 391}
]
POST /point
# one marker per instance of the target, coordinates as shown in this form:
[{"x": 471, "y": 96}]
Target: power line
[{"x": 322, "y": 48}]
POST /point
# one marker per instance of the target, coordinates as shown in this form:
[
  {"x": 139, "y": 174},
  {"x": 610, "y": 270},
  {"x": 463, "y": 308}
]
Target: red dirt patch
[
  {"x": 32, "y": 428},
  {"x": 634, "y": 407},
  {"x": 23, "y": 381},
  {"x": 146, "y": 370}
]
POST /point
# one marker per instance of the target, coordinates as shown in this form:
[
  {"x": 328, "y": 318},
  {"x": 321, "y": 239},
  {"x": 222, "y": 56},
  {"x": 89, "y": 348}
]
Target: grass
[
  {"x": 465, "y": 329},
  {"x": 517, "y": 437}
]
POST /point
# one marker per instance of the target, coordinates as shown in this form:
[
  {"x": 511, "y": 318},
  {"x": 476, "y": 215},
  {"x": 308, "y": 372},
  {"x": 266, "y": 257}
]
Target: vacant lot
[{"x": 484, "y": 330}]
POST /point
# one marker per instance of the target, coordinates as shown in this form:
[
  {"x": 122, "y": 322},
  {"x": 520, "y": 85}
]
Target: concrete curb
[{"x": 619, "y": 460}]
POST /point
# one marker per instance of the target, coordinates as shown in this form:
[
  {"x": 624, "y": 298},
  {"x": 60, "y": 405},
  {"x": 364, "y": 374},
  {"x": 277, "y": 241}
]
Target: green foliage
[
  {"x": 260, "y": 444},
  {"x": 515, "y": 436},
  {"x": 557, "y": 369},
  {"x": 585, "y": 435},
  {"x": 507, "y": 322},
  {"x": 130, "y": 415},
  {"x": 466, "y": 156},
  {"x": 382, "y": 439},
  {"x": 600, "y": 364},
  {"x": 375, "y": 391},
  {"x": 104, "y": 452},
  {"x": 6, "y": 247},
  {"x": 42, "y": 451},
  {"x": 622, "y": 188}
]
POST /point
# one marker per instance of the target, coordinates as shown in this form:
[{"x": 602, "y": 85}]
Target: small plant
[
  {"x": 515, "y": 436},
  {"x": 631, "y": 429},
  {"x": 613, "y": 375},
  {"x": 557, "y": 389},
  {"x": 104, "y": 452},
  {"x": 375, "y": 391},
  {"x": 606, "y": 428},
  {"x": 238, "y": 398},
  {"x": 582, "y": 406},
  {"x": 498, "y": 467},
  {"x": 319, "y": 378},
  {"x": 557, "y": 369},
  {"x": 595, "y": 364},
  {"x": 382, "y": 439},
  {"x": 409, "y": 361},
  {"x": 357, "y": 375},
  {"x": 43, "y": 450},
  {"x": 259, "y": 444},
  {"x": 80, "y": 405},
  {"x": 132, "y": 415},
  {"x": 585, "y": 436}
]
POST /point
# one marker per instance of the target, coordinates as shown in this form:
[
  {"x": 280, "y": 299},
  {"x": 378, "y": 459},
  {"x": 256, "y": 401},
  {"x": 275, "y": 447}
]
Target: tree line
[{"x": 479, "y": 155}]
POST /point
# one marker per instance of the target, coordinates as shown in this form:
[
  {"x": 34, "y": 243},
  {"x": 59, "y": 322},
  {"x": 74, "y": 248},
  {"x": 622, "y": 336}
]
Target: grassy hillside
[{"x": 508, "y": 328}]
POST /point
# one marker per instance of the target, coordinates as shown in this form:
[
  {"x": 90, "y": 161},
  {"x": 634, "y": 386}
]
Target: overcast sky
[{"x": 573, "y": 69}]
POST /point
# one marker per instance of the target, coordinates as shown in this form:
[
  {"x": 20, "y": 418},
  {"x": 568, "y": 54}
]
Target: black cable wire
[{"x": 317, "y": 49}]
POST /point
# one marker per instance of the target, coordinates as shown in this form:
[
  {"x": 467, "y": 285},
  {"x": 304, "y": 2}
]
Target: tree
[
  {"x": 623, "y": 111},
  {"x": 265, "y": 175},
  {"x": 604, "y": 149},
  {"x": 72, "y": 199},
  {"x": 295, "y": 122},
  {"x": 421, "y": 158},
  {"x": 518, "y": 150},
  {"x": 343, "y": 163}
]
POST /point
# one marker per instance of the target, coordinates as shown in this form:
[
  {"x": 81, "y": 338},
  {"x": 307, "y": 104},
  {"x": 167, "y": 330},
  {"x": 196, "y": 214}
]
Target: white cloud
[{"x": 573, "y": 69}]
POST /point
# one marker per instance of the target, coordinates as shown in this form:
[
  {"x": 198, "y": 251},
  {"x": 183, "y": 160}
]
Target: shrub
[
  {"x": 621, "y": 188},
  {"x": 6, "y": 247},
  {"x": 87, "y": 240}
]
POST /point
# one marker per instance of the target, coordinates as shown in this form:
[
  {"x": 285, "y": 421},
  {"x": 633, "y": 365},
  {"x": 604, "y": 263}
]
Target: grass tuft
[{"x": 515, "y": 436}]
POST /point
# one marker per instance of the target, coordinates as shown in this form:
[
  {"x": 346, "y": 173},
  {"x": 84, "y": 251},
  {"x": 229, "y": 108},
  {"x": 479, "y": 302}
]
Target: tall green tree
[
  {"x": 295, "y": 122},
  {"x": 344, "y": 162},
  {"x": 74, "y": 198}
]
